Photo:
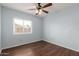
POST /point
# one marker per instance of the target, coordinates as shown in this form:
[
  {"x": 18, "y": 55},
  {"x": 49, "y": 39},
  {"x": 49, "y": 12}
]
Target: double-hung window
[{"x": 21, "y": 26}]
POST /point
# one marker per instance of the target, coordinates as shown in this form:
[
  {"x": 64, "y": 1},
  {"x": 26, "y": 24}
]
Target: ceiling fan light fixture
[
  {"x": 41, "y": 8},
  {"x": 40, "y": 11},
  {"x": 37, "y": 11}
]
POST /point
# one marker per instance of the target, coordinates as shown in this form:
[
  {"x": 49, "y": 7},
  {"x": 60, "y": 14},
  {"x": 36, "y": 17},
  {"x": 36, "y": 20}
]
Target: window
[{"x": 22, "y": 26}]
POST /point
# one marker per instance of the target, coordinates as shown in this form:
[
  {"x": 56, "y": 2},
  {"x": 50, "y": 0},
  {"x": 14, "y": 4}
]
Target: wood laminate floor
[{"x": 40, "y": 48}]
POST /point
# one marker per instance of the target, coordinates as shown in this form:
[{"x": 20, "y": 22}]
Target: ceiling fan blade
[
  {"x": 32, "y": 9},
  {"x": 47, "y": 5},
  {"x": 37, "y": 13},
  {"x": 45, "y": 11}
]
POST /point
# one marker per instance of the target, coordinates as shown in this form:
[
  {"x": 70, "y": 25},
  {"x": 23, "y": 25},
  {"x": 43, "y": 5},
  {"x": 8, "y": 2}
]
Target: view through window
[{"x": 21, "y": 26}]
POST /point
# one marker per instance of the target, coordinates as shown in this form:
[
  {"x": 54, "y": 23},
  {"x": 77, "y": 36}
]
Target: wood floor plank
[{"x": 40, "y": 48}]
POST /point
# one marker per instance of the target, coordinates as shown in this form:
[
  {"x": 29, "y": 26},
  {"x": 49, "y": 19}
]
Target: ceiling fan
[{"x": 39, "y": 8}]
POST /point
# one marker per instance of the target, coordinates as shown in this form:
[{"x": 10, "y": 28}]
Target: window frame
[{"x": 23, "y": 29}]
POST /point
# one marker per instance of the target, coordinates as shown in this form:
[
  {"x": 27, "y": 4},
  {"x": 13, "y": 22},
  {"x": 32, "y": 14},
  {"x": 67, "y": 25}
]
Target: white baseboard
[
  {"x": 59, "y": 44},
  {"x": 20, "y": 44},
  {"x": 56, "y": 43}
]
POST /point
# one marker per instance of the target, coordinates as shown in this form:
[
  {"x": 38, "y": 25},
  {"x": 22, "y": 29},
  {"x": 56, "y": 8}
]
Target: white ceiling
[{"x": 25, "y": 6}]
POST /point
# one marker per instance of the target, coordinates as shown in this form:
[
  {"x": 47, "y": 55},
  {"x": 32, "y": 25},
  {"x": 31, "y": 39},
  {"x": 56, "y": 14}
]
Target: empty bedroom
[{"x": 39, "y": 29}]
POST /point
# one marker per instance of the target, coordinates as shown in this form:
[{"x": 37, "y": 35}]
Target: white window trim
[{"x": 14, "y": 33}]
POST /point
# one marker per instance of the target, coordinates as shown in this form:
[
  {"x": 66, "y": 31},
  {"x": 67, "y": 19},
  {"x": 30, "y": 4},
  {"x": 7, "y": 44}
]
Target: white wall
[
  {"x": 62, "y": 27},
  {"x": 0, "y": 29},
  {"x": 10, "y": 40}
]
